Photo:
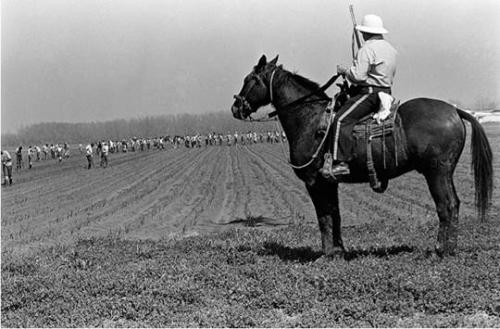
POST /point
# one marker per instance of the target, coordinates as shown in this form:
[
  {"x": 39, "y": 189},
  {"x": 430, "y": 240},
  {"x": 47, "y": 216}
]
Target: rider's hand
[{"x": 341, "y": 69}]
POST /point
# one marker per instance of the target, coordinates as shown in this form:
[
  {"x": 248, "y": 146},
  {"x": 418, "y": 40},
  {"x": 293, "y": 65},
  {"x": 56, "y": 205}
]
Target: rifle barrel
[
  {"x": 351, "y": 9},
  {"x": 358, "y": 40}
]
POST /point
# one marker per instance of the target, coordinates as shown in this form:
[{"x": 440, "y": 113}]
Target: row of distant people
[
  {"x": 103, "y": 148},
  {"x": 33, "y": 153},
  {"x": 143, "y": 144},
  {"x": 229, "y": 139},
  {"x": 199, "y": 140},
  {"x": 132, "y": 144},
  {"x": 37, "y": 153}
]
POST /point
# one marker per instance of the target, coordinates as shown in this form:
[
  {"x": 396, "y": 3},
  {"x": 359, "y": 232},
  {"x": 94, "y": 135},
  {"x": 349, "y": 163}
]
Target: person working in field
[
  {"x": 45, "y": 151},
  {"x": 30, "y": 157},
  {"x": 59, "y": 152},
  {"x": 372, "y": 72},
  {"x": 38, "y": 150},
  {"x": 7, "y": 167},
  {"x": 19, "y": 157},
  {"x": 89, "y": 154},
  {"x": 104, "y": 155}
]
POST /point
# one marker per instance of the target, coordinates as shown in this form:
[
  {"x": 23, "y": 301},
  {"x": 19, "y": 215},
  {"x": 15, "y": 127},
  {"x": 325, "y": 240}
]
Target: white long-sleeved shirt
[
  {"x": 374, "y": 65},
  {"x": 6, "y": 158}
]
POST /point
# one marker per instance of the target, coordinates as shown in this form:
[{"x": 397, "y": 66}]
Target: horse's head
[{"x": 256, "y": 91}]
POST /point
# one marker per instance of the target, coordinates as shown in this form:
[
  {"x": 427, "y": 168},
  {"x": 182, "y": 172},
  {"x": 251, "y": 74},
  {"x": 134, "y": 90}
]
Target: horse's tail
[{"x": 482, "y": 159}]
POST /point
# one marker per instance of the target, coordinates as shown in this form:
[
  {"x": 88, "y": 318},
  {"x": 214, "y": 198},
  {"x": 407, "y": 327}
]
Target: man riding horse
[{"x": 372, "y": 72}]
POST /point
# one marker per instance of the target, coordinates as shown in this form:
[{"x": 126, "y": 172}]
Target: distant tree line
[{"x": 148, "y": 126}]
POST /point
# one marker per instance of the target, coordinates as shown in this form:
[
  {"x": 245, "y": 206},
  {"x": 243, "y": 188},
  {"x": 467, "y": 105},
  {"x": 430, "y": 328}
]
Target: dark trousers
[
  {"x": 90, "y": 161},
  {"x": 104, "y": 160},
  {"x": 7, "y": 173},
  {"x": 346, "y": 117}
]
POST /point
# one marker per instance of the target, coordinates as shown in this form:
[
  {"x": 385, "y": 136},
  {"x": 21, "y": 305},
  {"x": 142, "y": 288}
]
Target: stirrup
[
  {"x": 326, "y": 170},
  {"x": 341, "y": 170}
]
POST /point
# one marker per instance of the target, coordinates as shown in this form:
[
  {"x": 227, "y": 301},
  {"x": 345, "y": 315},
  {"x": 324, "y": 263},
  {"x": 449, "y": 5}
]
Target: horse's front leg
[{"x": 326, "y": 202}]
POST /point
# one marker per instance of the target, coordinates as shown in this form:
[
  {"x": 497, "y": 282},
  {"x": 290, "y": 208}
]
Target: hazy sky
[{"x": 87, "y": 60}]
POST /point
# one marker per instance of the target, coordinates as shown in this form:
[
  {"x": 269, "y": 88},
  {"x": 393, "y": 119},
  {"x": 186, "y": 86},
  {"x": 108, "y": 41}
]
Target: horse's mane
[{"x": 305, "y": 82}]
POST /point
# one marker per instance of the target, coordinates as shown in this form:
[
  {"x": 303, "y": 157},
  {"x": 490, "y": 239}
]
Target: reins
[
  {"x": 302, "y": 100},
  {"x": 320, "y": 146}
]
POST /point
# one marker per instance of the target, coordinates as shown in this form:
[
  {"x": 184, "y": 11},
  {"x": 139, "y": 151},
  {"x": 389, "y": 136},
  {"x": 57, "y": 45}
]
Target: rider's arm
[{"x": 358, "y": 73}]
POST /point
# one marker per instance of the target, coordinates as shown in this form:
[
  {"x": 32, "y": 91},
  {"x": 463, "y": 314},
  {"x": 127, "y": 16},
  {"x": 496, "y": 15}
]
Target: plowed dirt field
[{"x": 182, "y": 192}]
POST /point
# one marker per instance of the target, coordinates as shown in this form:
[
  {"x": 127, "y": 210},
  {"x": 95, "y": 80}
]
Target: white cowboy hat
[{"x": 372, "y": 24}]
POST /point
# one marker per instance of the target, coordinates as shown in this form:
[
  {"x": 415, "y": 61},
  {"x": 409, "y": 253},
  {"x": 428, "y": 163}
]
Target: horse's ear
[
  {"x": 275, "y": 60},
  {"x": 262, "y": 62}
]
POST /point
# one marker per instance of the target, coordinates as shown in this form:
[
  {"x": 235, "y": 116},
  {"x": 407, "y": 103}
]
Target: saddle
[
  {"x": 381, "y": 125},
  {"x": 372, "y": 127},
  {"x": 377, "y": 128}
]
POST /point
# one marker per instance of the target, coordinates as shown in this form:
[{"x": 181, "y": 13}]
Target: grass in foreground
[{"x": 250, "y": 277}]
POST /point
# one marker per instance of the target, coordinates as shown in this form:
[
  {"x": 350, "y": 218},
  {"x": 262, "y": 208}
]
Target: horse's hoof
[
  {"x": 336, "y": 253},
  {"x": 439, "y": 250},
  {"x": 445, "y": 251},
  {"x": 322, "y": 259}
]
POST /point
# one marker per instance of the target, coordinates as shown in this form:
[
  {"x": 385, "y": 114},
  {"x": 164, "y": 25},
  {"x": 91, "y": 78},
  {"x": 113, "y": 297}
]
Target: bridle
[
  {"x": 244, "y": 104},
  {"x": 301, "y": 100}
]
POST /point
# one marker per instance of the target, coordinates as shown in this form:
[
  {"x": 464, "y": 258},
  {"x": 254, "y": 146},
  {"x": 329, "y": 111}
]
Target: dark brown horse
[{"x": 433, "y": 139}]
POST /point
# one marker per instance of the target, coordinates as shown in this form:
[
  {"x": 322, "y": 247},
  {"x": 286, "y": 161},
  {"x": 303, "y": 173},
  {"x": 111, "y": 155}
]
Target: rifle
[{"x": 355, "y": 32}]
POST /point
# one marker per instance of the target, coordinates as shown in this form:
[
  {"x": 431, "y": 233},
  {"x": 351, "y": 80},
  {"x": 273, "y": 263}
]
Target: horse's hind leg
[{"x": 443, "y": 192}]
